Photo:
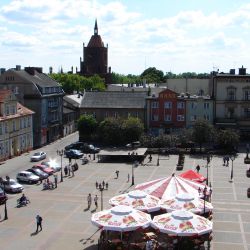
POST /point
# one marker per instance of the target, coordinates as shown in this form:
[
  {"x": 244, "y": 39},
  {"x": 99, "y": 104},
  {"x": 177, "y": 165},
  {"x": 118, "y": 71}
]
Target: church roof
[{"x": 96, "y": 41}]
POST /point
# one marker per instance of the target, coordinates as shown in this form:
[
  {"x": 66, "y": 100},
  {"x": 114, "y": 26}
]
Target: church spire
[{"x": 96, "y": 28}]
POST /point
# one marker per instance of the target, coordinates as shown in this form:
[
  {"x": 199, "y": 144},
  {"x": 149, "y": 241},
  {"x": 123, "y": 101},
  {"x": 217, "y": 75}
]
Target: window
[
  {"x": 115, "y": 114},
  {"x": 206, "y": 117},
  {"x": 230, "y": 113},
  {"x": 193, "y": 105},
  {"x": 193, "y": 118},
  {"x": 180, "y": 105},
  {"x": 106, "y": 114},
  {"x": 180, "y": 118},
  {"x": 155, "y": 105},
  {"x": 231, "y": 93},
  {"x": 247, "y": 94},
  {"x": 94, "y": 114},
  {"x": 6, "y": 127},
  {"x": 167, "y": 105},
  {"x": 167, "y": 118},
  {"x": 128, "y": 115},
  {"x": 206, "y": 105},
  {"x": 137, "y": 114},
  {"x": 246, "y": 112},
  {"x": 155, "y": 117},
  {"x": 14, "y": 125},
  {"x": 1, "y": 129}
]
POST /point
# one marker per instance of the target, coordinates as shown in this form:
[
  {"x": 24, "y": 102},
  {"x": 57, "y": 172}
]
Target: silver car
[
  {"x": 38, "y": 156},
  {"x": 11, "y": 185},
  {"x": 25, "y": 176},
  {"x": 52, "y": 164}
]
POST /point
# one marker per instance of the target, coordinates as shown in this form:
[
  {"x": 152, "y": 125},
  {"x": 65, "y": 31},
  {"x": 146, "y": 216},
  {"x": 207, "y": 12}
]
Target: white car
[
  {"x": 38, "y": 156},
  {"x": 52, "y": 164},
  {"x": 11, "y": 185},
  {"x": 25, "y": 176}
]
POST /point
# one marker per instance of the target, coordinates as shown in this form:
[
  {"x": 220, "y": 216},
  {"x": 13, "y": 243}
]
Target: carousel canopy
[
  {"x": 182, "y": 223},
  {"x": 137, "y": 199},
  {"x": 193, "y": 176},
  {"x": 169, "y": 187},
  {"x": 188, "y": 202},
  {"x": 121, "y": 218}
]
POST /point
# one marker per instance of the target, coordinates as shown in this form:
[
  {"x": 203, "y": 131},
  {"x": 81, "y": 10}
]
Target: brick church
[{"x": 95, "y": 58}]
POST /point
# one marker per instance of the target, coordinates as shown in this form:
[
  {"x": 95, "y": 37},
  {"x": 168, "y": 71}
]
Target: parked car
[
  {"x": 74, "y": 154},
  {"x": 38, "y": 156},
  {"x": 75, "y": 145},
  {"x": 89, "y": 149},
  {"x": 134, "y": 144},
  {"x": 44, "y": 168},
  {"x": 52, "y": 164},
  {"x": 3, "y": 196},
  {"x": 11, "y": 185},
  {"x": 25, "y": 176},
  {"x": 41, "y": 174}
]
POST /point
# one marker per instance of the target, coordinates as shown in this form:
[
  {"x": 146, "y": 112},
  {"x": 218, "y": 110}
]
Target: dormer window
[{"x": 231, "y": 93}]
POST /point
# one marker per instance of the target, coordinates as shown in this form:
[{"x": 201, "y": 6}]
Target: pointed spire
[{"x": 96, "y": 28}]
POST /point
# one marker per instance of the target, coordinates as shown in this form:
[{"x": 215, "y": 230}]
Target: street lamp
[
  {"x": 61, "y": 154},
  {"x": 133, "y": 177},
  {"x": 5, "y": 203},
  {"x": 209, "y": 158},
  {"x": 158, "y": 159},
  {"x": 101, "y": 188},
  {"x": 232, "y": 158}
]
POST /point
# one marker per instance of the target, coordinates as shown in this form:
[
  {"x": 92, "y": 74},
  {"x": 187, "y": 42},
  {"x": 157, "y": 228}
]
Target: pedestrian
[
  {"x": 96, "y": 184},
  {"x": 70, "y": 160},
  {"x": 90, "y": 156},
  {"x": 57, "y": 151},
  {"x": 69, "y": 169},
  {"x": 55, "y": 179},
  {"x": 107, "y": 185},
  {"x": 89, "y": 200},
  {"x": 103, "y": 184},
  {"x": 150, "y": 158},
  {"x": 65, "y": 170},
  {"x": 96, "y": 203},
  {"x": 198, "y": 168},
  {"x": 117, "y": 174},
  {"x": 39, "y": 220},
  {"x": 72, "y": 171},
  {"x": 128, "y": 178},
  {"x": 224, "y": 160},
  {"x": 100, "y": 186}
]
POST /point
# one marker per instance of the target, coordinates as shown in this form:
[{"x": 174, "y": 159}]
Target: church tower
[{"x": 95, "y": 58}]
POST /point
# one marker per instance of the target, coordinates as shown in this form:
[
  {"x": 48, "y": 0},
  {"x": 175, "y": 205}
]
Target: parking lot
[{"x": 66, "y": 220}]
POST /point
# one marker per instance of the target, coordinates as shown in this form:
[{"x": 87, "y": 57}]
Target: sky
[{"x": 178, "y": 36}]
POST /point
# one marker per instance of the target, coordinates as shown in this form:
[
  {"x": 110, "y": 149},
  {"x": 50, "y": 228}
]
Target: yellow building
[{"x": 16, "y": 128}]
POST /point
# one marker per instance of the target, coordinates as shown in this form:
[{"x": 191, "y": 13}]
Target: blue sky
[{"x": 177, "y": 36}]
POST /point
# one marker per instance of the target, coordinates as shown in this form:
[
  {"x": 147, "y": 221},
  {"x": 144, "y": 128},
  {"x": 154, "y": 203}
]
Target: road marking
[{"x": 242, "y": 232}]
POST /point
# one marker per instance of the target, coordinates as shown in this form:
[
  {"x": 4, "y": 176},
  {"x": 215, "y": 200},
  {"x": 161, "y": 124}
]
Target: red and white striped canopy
[{"x": 169, "y": 187}]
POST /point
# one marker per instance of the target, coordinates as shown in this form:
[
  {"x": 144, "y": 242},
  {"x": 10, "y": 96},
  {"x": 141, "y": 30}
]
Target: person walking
[
  {"x": 39, "y": 220},
  {"x": 198, "y": 168},
  {"x": 72, "y": 171},
  {"x": 128, "y": 178},
  {"x": 150, "y": 158},
  {"x": 69, "y": 169},
  {"x": 89, "y": 200},
  {"x": 55, "y": 180},
  {"x": 96, "y": 201},
  {"x": 65, "y": 170},
  {"x": 107, "y": 185},
  {"x": 117, "y": 174},
  {"x": 103, "y": 184},
  {"x": 96, "y": 185}
]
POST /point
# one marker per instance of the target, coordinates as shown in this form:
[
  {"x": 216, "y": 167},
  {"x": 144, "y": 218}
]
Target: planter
[
  {"x": 247, "y": 160},
  {"x": 248, "y": 173},
  {"x": 179, "y": 167}
]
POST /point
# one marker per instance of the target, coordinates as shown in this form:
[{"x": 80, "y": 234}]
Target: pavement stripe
[{"x": 242, "y": 232}]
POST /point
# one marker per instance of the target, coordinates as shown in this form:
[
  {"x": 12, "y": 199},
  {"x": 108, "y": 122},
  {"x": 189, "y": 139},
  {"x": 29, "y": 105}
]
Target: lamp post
[
  {"x": 204, "y": 197},
  {"x": 133, "y": 177},
  {"x": 158, "y": 159},
  {"x": 232, "y": 158},
  {"x": 5, "y": 203},
  {"x": 101, "y": 188},
  {"x": 209, "y": 157},
  {"x": 61, "y": 155}
]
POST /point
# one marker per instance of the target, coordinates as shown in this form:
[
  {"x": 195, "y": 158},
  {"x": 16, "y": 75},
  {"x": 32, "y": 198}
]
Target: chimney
[
  {"x": 242, "y": 71},
  {"x": 18, "y": 67},
  {"x": 232, "y": 72},
  {"x": 50, "y": 70},
  {"x": 2, "y": 70}
]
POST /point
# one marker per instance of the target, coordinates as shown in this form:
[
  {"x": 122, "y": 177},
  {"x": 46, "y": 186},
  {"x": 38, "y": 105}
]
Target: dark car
[
  {"x": 42, "y": 175},
  {"x": 75, "y": 145},
  {"x": 89, "y": 149},
  {"x": 3, "y": 196},
  {"x": 73, "y": 154}
]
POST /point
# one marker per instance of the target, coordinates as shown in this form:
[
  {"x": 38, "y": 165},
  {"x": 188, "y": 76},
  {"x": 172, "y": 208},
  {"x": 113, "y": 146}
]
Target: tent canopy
[{"x": 193, "y": 176}]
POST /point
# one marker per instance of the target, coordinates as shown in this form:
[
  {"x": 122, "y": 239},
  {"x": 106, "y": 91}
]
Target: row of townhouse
[{"x": 16, "y": 126}]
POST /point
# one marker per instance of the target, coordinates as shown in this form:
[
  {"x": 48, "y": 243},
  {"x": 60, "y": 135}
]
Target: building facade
[
  {"x": 95, "y": 58},
  {"x": 232, "y": 101},
  {"x": 16, "y": 128},
  {"x": 38, "y": 92},
  {"x": 165, "y": 112},
  {"x": 198, "y": 108}
]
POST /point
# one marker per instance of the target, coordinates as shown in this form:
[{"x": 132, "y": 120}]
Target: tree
[
  {"x": 153, "y": 75},
  {"x": 227, "y": 139},
  {"x": 132, "y": 129},
  {"x": 87, "y": 126},
  {"x": 202, "y": 132}
]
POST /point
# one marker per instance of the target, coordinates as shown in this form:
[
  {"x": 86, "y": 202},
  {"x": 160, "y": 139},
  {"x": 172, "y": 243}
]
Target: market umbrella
[
  {"x": 137, "y": 199},
  {"x": 182, "y": 223},
  {"x": 187, "y": 202},
  {"x": 121, "y": 218},
  {"x": 193, "y": 176},
  {"x": 169, "y": 187}
]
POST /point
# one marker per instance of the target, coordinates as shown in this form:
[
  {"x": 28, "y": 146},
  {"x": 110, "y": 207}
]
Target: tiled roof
[
  {"x": 95, "y": 41},
  {"x": 4, "y": 93},
  {"x": 21, "y": 111},
  {"x": 111, "y": 99},
  {"x": 75, "y": 99},
  {"x": 40, "y": 79}
]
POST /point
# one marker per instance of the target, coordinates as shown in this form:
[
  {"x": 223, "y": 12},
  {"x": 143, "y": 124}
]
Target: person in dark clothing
[
  {"x": 39, "y": 220},
  {"x": 198, "y": 168},
  {"x": 66, "y": 170}
]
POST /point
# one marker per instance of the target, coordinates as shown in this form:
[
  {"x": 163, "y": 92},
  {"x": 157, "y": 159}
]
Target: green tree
[
  {"x": 153, "y": 75},
  {"x": 132, "y": 129},
  {"x": 227, "y": 139},
  {"x": 202, "y": 132},
  {"x": 87, "y": 126}
]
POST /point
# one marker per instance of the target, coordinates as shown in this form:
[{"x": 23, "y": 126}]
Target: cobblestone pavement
[{"x": 66, "y": 221}]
